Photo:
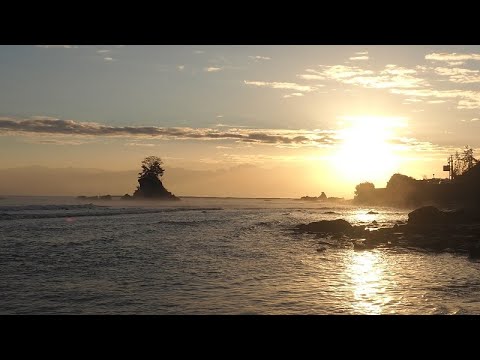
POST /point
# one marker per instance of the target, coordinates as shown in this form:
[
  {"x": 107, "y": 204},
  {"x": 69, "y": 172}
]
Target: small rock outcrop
[
  {"x": 427, "y": 229},
  {"x": 152, "y": 188},
  {"x": 327, "y": 226}
]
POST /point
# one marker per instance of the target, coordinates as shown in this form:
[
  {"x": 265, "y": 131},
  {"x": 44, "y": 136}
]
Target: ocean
[{"x": 60, "y": 255}]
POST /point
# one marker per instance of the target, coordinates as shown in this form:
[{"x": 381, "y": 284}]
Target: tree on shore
[
  {"x": 463, "y": 161},
  {"x": 364, "y": 192}
]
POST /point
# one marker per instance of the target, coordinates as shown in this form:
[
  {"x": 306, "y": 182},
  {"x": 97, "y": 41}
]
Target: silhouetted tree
[
  {"x": 402, "y": 189},
  {"x": 364, "y": 192},
  {"x": 463, "y": 161},
  {"x": 151, "y": 167}
]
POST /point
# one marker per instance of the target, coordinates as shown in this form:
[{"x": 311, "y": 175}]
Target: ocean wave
[
  {"x": 50, "y": 207},
  {"x": 71, "y": 211}
]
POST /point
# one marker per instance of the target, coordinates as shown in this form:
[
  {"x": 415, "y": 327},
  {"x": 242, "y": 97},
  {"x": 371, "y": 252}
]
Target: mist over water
[{"x": 214, "y": 256}]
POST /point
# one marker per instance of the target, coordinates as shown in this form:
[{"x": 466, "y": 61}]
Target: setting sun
[{"x": 366, "y": 152}]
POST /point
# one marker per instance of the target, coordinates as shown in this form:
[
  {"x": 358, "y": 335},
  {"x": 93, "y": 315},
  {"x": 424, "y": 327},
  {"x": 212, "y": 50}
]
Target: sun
[{"x": 366, "y": 152}]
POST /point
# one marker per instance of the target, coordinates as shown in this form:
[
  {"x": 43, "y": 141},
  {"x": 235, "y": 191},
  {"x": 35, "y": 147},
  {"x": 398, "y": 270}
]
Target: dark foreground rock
[
  {"x": 327, "y": 226},
  {"x": 428, "y": 228}
]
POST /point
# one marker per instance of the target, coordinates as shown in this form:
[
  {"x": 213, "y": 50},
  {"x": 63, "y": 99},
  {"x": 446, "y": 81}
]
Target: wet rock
[
  {"x": 327, "y": 226},
  {"x": 474, "y": 251},
  {"x": 426, "y": 215},
  {"x": 372, "y": 213}
]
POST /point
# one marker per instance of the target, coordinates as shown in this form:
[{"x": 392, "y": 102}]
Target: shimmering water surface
[{"x": 214, "y": 256}]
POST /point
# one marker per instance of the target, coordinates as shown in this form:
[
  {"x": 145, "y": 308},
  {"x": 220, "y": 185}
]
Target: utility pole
[{"x": 450, "y": 164}]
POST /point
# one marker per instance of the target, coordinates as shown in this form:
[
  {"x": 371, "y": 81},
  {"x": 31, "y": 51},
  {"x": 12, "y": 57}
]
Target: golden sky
[{"x": 303, "y": 119}]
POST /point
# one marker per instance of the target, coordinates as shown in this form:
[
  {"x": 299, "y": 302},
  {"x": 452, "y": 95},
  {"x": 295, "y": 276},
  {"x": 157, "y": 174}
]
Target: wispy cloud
[
  {"x": 213, "y": 69},
  {"x": 57, "y": 46},
  {"x": 466, "y": 99},
  {"x": 181, "y": 67},
  {"x": 109, "y": 59},
  {"x": 459, "y": 75},
  {"x": 475, "y": 119},
  {"x": 339, "y": 72},
  {"x": 104, "y": 51},
  {"x": 282, "y": 85},
  {"x": 9, "y": 126},
  {"x": 392, "y": 76},
  {"x": 362, "y": 57},
  {"x": 198, "y": 52},
  {"x": 293, "y": 95},
  {"x": 230, "y": 125},
  {"x": 260, "y": 58},
  {"x": 408, "y": 144},
  {"x": 452, "y": 58},
  {"x": 140, "y": 144},
  {"x": 50, "y": 141}
]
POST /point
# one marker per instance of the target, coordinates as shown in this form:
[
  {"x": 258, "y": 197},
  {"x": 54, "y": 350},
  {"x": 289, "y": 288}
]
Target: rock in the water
[
  {"x": 150, "y": 187},
  {"x": 372, "y": 213},
  {"x": 474, "y": 251},
  {"x": 327, "y": 226},
  {"x": 426, "y": 215}
]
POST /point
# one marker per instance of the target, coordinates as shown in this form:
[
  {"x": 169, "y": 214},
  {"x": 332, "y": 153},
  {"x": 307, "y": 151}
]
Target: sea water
[{"x": 60, "y": 255}]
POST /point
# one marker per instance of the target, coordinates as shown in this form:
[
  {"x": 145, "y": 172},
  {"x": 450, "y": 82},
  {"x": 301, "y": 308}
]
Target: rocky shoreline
[{"x": 427, "y": 228}]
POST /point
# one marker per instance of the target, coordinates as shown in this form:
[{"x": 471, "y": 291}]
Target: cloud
[
  {"x": 104, "y": 51},
  {"x": 109, "y": 59},
  {"x": 459, "y": 75},
  {"x": 409, "y": 144},
  {"x": 282, "y": 85},
  {"x": 50, "y": 141},
  {"x": 9, "y": 126},
  {"x": 57, "y": 46},
  {"x": 475, "y": 119},
  {"x": 181, "y": 67},
  {"x": 452, "y": 58},
  {"x": 292, "y": 95},
  {"x": 363, "y": 57},
  {"x": 139, "y": 144},
  {"x": 230, "y": 126},
  {"x": 466, "y": 99},
  {"x": 313, "y": 75},
  {"x": 198, "y": 52},
  {"x": 259, "y": 58},
  {"x": 392, "y": 76},
  {"x": 212, "y": 69},
  {"x": 340, "y": 72},
  {"x": 361, "y": 53}
]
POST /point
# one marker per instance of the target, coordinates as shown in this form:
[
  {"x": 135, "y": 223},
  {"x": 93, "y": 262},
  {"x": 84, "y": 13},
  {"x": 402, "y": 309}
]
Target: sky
[{"x": 322, "y": 118}]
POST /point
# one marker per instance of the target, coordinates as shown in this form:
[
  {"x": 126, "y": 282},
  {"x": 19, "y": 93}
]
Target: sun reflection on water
[{"x": 367, "y": 274}]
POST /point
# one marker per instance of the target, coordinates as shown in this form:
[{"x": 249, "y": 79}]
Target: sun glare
[{"x": 366, "y": 152}]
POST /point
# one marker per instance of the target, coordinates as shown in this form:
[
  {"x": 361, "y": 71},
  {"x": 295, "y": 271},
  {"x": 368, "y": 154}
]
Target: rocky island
[{"x": 150, "y": 186}]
